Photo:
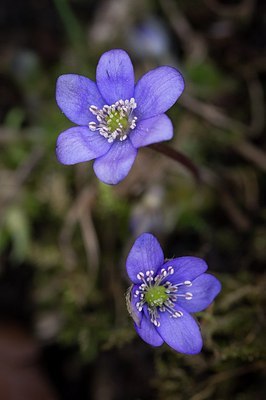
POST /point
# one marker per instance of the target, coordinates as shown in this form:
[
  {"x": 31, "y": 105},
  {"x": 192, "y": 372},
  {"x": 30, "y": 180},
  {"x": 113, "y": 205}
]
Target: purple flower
[
  {"x": 114, "y": 116},
  {"x": 164, "y": 293}
]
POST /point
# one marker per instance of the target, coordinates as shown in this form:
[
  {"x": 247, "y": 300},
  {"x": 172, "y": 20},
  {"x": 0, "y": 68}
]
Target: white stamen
[
  {"x": 149, "y": 280},
  {"x": 170, "y": 270},
  {"x": 140, "y": 276},
  {"x": 188, "y": 296},
  {"x": 120, "y": 113},
  {"x": 178, "y": 314}
]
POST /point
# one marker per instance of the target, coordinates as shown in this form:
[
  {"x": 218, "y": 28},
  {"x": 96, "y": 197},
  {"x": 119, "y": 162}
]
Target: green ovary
[
  {"x": 156, "y": 296},
  {"x": 116, "y": 121}
]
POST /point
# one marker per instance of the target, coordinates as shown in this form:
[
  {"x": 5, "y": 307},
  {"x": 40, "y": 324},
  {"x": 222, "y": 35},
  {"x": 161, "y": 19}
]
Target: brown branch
[
  {"x": 178, "y": 157},
  {"x": 243, "y": 10},
  {"x": 19, "y": 177},
  {"x": 192, "y": 42},
  {"x": 211, "y": 113},
  {"x": 80, "y": 212},
  {"x": 216, "y": 118}
]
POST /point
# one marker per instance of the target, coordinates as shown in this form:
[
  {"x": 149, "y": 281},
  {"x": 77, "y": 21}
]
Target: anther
[
  {"x": 171, "y": 270},
  {"x": 140, "y": 276},
  {"x": 115, "y": 121},
  {"x": 92, "y": 126},
  {"x": 177, "y": 314}
]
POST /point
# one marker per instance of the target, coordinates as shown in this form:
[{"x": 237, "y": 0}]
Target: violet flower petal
[
  {"x": 74, "y": 95},
  {"x": 157, "y": 91},
  {"x": 152, "y": 130},
  {"x": 135, "y": 313},
  {"x": 185, "y": 268},
  {"x": 115, "y": 76},
  {"x": 146, "y": 254},
  {"x": 80, "y": 144},
  {"x": 148, "y": 332},
  {"x": 114, "y": 166},
  {"x": 181, "y": 333},
  {"x": 204, "y": 289}
]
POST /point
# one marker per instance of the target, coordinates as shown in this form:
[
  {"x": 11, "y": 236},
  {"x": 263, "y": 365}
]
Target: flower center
[
  {"x": 114, "y": 121},
  {"x": 156, "y": 296},
  {"x": 159, "y": 294}
]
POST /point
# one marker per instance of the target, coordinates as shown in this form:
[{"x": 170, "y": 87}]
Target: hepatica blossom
[
  {"x": 164, "y": 293},
  {"x": 115, "y": 117}
]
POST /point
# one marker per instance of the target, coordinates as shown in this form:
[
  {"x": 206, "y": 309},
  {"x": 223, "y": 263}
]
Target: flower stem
[{"x": 178, "y": 157}]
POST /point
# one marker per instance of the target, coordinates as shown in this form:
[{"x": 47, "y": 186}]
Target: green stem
[{"x": 71, "y": 25}]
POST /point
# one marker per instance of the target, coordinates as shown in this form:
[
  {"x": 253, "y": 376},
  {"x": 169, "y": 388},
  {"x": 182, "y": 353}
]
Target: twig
[
  {"x": 242, "y": 10},
  {"x": 228, "y": 202},
  {"x": 21, "y": 175},
  {"x": 236, "y": 215},
  {"x": 80, "y": 213},
  {"x": 257, "y": 105},
  {"x": 211, "y": 113},
  {"x": 177, "y": 156},
  {"x": 215, "y": 117},
  {"x": 252, "y": 153},
  {"x": 89, "y": 234},
  {"x": 193, "y": 43},
  {"x": 224, "y": 376}
]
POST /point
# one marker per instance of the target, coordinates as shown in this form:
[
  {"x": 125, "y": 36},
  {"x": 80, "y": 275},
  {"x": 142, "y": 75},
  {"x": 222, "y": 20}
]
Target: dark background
[{"x": 64, "y": 236}]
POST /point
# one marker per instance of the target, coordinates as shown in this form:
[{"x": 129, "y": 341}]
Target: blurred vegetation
[{"x": 73, "y": 233}]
